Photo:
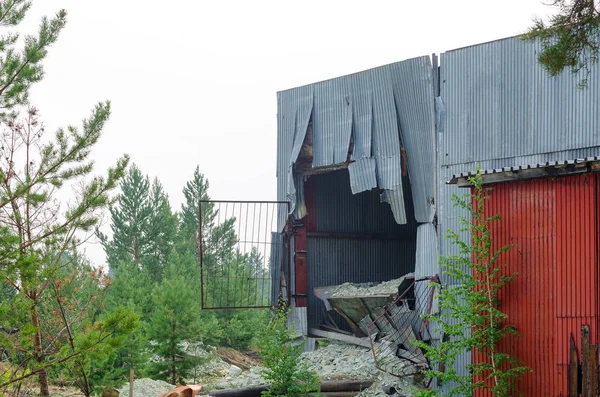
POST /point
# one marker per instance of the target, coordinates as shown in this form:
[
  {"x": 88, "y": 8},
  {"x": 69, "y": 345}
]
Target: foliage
[
  {"x": 130, "y": 220},
  {"x": 21, "y": 67},
  {"x": 131, "y": 288},
  {"x": 283, "y": 369},
  {"x": 471, "y": 316},
  {"x": 174, "y": 320},
  {"x": 570, "y": 39}
]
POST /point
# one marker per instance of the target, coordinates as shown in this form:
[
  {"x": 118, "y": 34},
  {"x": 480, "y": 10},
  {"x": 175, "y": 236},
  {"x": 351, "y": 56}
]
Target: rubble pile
[
  {"x": 349, "y": 289},
  {"x": 251, "y": 377},
  {"x": 332, "y": 362},
  {"x": 146, "y": 388}
]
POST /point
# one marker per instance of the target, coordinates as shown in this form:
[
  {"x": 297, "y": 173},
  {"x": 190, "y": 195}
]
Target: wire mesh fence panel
[
  {"x": 241, "y": 253},
  {"x": 394, "y": 327}
]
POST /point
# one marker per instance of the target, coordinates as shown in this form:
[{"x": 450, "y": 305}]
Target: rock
[
  {"x": 235, "y": 370},
  {"x": 146, "y": 388},
  {"x": 110, "y": 392}
]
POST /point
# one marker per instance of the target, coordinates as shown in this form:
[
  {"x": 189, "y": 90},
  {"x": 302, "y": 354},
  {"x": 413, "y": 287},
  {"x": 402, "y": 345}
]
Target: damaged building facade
[{"x": 368, "y": 164}]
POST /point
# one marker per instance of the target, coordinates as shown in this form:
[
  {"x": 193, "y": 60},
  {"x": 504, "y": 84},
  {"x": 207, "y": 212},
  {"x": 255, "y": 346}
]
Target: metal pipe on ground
[{"x": 328, "y": 389}]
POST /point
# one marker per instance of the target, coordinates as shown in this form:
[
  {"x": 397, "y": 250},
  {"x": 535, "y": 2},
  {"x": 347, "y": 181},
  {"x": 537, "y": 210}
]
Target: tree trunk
[
  {"x": 38, "y": 349},
  {"x": 131, "y": 379}
]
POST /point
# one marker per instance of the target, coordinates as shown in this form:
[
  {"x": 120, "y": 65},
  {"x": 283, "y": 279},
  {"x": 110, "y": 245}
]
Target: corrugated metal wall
[
  {"x": 553, "y": 223},
  {"x": 333, "y": 261},
  {"x": 500, "y": 103}
]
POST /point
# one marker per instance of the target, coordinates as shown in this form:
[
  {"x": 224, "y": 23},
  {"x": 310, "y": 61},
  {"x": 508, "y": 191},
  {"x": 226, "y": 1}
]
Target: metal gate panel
[{"x": 243, "y": 260}]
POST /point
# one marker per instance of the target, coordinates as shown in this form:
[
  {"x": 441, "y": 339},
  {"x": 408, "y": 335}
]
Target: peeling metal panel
[
  {"x": 372, "y": 107},
  {"x": 338, "y": 210},
  {"x": 500, "y": 103},
  {"x": 413, "y": 97},
  {"x": 395, "y": 198},
  {"x": 362, "y": 175},
  {"x": 286, "y": 116},
  {"x": 426, "y": 263},
  {"x": 332, "y": 121}
]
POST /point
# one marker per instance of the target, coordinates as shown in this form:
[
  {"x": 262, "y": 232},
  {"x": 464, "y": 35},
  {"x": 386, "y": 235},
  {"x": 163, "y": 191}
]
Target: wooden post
[
  {"x": 573, "y": 369},
  {"x": 593, "y": 374},
  {"x": 131, "y": 379},
  {"x": 586, "y": 390}
]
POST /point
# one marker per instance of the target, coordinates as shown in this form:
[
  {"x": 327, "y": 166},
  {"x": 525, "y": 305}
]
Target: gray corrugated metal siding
[
  {"x": 373, "y": 106},
  {"x": 501, "y": 104},
  {"x": 336, "y": 261}
]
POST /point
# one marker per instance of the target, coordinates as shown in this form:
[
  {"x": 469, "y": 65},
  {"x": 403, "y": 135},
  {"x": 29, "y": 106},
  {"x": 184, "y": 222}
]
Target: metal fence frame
[{"x": 284, "y": 262}]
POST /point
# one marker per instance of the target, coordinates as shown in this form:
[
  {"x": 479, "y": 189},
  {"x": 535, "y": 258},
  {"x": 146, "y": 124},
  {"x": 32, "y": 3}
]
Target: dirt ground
[{"x": 243, "y": 360}]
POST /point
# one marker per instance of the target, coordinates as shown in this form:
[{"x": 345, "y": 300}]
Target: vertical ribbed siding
[
  {"x": 333, "y": 261},
  {"x": 374, "y": 107},
  {"x": 426, "y": 263},
  {"x": 336, "y": 261},
  {"x": 332, "y": 121},
  {"x": 552, "y": 223},
  {"x": 338, "y": 210},
  {"x": 501, "y": 104},
  {"x": 413, "y": 96}
]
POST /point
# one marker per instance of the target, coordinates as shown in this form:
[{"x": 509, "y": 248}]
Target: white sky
[{"x": 195, "y": 82}]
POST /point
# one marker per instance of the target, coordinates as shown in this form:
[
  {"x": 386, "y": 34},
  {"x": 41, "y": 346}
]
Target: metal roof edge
[
  {"x": 532, "y": 171},
  {"x": 356, "y": 73}
]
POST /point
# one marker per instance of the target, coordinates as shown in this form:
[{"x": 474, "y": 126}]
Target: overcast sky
[{"x": 195, "y": 82}]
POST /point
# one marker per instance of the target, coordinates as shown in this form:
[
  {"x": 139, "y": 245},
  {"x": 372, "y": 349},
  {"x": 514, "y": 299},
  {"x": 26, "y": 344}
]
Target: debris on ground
[
  {"x": 146, "y": 387},
  {"x": 334, "y": 361},
  {"x": 234, "y": 357}
]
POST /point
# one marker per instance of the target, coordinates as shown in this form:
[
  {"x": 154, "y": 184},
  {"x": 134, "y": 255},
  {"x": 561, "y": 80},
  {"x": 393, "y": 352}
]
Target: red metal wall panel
[{"x": 553, "y": 223}]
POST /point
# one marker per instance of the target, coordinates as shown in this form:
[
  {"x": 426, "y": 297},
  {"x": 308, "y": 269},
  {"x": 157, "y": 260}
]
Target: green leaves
[
  {"x": 471, "y": 319},
  {"x": 283, "y": 369},
  {"x": 570, "y": 38},
  {"x": 20, "y": 69}
]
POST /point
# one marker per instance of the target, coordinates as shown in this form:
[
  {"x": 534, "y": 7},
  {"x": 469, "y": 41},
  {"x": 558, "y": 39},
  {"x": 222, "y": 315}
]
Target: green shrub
[{"x": 283, "y": 369}]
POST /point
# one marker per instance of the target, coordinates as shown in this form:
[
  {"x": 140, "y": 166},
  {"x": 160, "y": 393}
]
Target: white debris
[
  {"x": 332, "y": 362},
  {"x": 252, "y": 377},
  {"x": 234, "y": 370},
  {"x": 146, "y": 388},
  {"x": 349, "y": 290}
]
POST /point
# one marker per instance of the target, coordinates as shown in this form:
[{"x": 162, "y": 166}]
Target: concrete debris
[
  {"x": 234, "y": 370},
  {"x": 332, "y": 362},
  {"x": 252, "y": 377},
  {"x": 350, "y": 290},
  {"x": 146, "y": 388}
]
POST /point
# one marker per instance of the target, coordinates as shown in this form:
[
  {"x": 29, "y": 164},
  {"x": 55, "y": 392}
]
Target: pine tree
[
  {"x": 36, "y": 231},
  {"x": 47, "y": 231},
  {"x": 570, "y": 38},
  {"x": 130, "y": 218},
  {"x": 131, "y": 288},
  {"x": 161, "y": 232},
  {"x": 21, "y": 68},
  {"x": 194, "y": 192},
  {"x": 175, "y": 320}
]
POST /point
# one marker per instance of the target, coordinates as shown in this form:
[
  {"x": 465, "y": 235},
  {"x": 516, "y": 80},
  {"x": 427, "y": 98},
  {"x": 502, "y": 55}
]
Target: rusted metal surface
[
  {"x": 553, "y": 224},
  {"x": 183, "y": 391},
  {"x": 572, "y": 382}
]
